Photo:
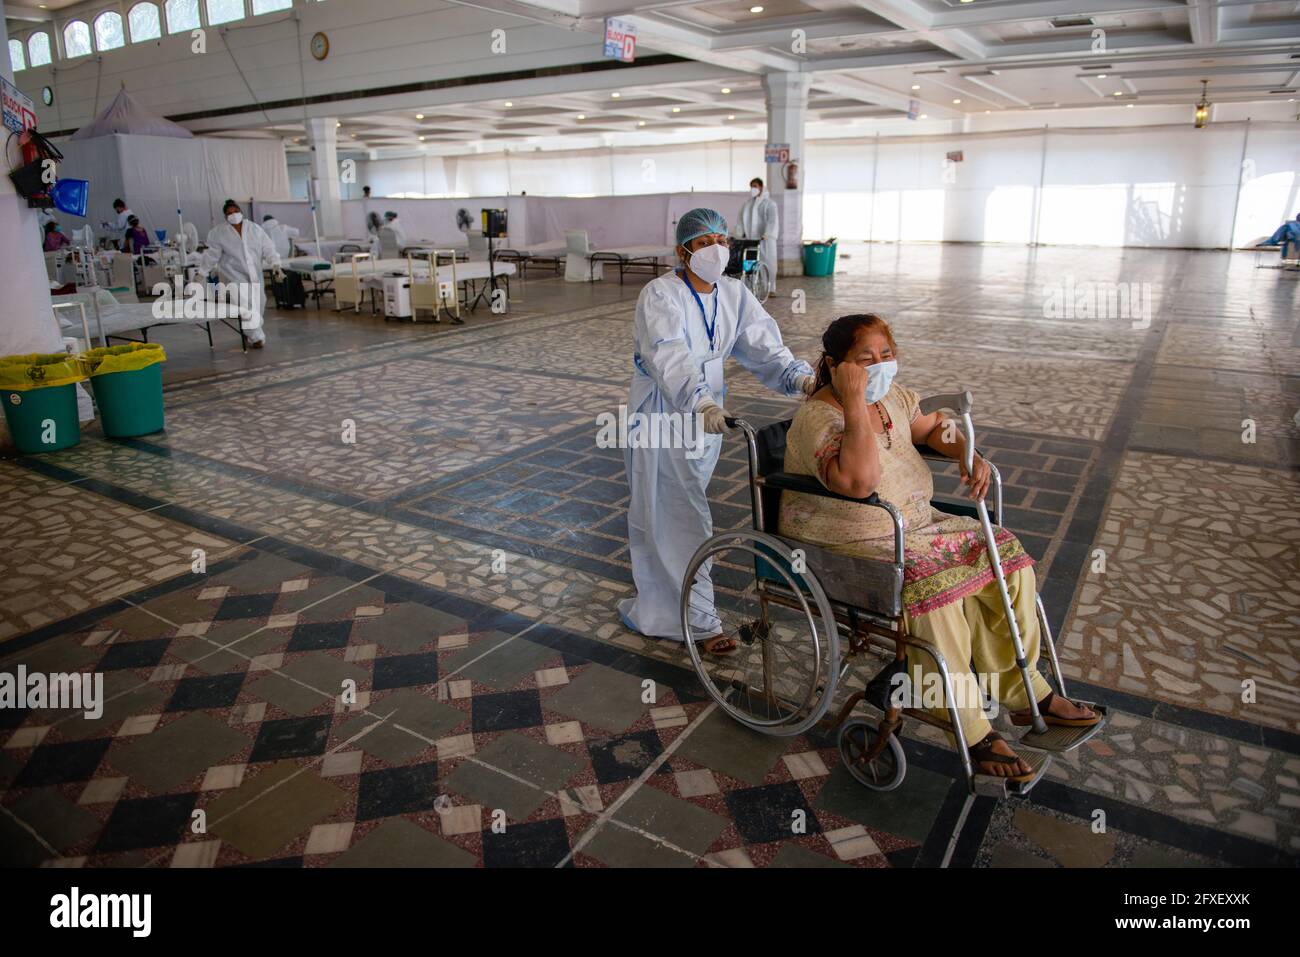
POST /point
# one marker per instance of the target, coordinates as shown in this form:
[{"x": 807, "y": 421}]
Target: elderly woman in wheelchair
[{"x": 861, "y": 552}]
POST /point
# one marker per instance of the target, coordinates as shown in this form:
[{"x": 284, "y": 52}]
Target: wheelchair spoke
[{"x": 781, "y": 671}]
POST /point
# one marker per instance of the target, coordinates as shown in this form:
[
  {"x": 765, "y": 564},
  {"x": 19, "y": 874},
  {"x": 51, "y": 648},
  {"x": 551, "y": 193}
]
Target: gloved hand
[
  {"x": 807, "y": 384},
  {"x": 715, "y": 416},
  {"x": 277, "y": 274}
]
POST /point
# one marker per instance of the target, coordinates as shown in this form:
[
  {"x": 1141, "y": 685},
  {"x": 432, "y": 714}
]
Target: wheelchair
[
  {"x": 800, "y": 614},
  {"x": 746, "y": 264}
]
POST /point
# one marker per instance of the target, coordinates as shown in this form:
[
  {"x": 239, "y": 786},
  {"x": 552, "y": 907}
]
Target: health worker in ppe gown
[
  {"x": 687, "y": 323},
  {"x": 239, "y": 250},
  {"x": 758, "y": 219}
]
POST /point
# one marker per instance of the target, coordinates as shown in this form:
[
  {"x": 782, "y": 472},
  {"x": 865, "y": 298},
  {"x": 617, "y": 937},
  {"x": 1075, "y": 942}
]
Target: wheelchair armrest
[
  {"x": 808, "y": 485},
  {"x": 789, "y": 482}
]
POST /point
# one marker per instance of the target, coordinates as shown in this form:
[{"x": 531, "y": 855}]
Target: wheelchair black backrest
[{"x": 770, "y": 441}]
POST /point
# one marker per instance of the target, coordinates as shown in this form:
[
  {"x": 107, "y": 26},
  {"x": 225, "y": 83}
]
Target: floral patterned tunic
[{"x": 945, "y": 558}]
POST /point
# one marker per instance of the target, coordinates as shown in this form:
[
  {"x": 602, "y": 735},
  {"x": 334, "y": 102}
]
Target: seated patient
[{"x": 857, "y": 433}]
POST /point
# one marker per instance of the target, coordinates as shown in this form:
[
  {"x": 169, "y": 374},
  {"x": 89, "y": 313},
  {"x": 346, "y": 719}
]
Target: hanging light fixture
[{"x": 1203, "y": 107}]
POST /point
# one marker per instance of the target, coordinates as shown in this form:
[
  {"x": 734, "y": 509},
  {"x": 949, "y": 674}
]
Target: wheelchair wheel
[
  {"x": 782, "y": 675},
  {"x": 759, "y": 281},
  {"x": 886, "y": 770}
]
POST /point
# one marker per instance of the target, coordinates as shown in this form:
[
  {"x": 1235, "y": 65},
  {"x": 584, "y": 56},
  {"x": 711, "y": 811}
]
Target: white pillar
[
  {"x": 787, "y": 105},
  {"x": 322, "y": 136},
  {"x": 29, "y": 324}
]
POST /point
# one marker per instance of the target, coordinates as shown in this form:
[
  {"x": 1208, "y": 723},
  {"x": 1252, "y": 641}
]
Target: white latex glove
[
  {"x": 277, "y": 274},
  {"x": 807, "y": 384},
  {"x": 715, "y": 416}
]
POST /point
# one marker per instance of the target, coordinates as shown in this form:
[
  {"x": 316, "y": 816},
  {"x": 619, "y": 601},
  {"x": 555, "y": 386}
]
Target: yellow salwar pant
[{"x": 975, "y": 630}]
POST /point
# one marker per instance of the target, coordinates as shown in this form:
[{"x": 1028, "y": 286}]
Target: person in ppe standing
[
  {"x": 687, "y": 323},
  {"x": 758, "y": 220},
  {"x": 239, "y": 251},
  {"x": 282, "y": 235},
  {"x": 399, "y": 230}
]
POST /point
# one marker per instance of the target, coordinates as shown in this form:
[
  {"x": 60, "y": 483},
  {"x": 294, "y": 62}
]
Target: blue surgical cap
[{"x": 697, "y": 223}]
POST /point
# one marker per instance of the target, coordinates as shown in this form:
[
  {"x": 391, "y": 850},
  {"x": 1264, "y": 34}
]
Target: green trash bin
[
  {"x": 127, "y": 381},
  {"x": 819, "y": 258},
  {"x": 39, "y": 392}
]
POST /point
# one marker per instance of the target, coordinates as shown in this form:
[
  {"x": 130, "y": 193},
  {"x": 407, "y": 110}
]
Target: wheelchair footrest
[
  {"x": 1058, "y": 738},
  {"x": 988, "y": 785}
]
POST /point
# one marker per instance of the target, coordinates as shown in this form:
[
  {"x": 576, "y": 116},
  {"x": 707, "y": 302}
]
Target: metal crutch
[{"x": 968, "y": 457}]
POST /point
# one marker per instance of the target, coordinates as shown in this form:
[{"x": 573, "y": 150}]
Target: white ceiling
[{"x": 870, "y": 57}]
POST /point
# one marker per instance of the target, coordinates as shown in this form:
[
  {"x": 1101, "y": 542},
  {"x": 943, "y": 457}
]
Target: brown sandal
[
  {"x": 983, "y": 753},
  {"x": 1024, "y": 718},
  {"x": 705, "y": 643}
]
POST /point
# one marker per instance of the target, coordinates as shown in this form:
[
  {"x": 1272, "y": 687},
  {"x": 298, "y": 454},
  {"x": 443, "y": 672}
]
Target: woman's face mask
[
  {"x": 754, "y": 191},
  {"x": 234, "y": 219},
  {"x": 879, "y": 378},
  {"x": 708, "y": 262}
]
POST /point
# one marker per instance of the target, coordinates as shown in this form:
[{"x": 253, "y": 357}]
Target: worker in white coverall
[
  {"x": 758, "y": 220},
  {"x": 239, "y": 251},
  {"x": 282, "y": 235},
  {"x": 688, "y": 323}
]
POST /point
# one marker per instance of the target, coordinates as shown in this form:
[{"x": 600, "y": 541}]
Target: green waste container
[
  {"x": 39, "y": 393},
  {"x": 818, "y": 259},
  {"x": 127, "y": 381}
]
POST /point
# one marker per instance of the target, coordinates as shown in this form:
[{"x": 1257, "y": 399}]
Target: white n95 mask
[
  {"x": 754, "y": 191},
  {"x": 234, "y": 219},
  {"x": 879, "y": 377},
  {"x": 708, "y": 262}
]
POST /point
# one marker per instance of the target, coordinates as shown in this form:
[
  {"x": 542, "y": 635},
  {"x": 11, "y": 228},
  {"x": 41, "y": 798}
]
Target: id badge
[{"x": 713, "y": 377}]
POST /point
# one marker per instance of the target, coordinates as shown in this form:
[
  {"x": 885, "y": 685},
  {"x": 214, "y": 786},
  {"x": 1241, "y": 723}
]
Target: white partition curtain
[
  {"x": 609, "y": 220},
  {"x": 1165, "y": 186},
  {"x": 144, "y": 171}
]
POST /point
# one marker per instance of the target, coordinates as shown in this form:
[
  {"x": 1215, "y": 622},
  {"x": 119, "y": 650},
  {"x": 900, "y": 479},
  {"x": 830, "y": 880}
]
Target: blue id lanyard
[{"x": 710, "y": 328}]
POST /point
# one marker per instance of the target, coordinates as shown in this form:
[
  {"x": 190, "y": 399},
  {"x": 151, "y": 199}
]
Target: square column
[
  {"x": 322, "y": 136},
  {"x": 786, "y": 95}
]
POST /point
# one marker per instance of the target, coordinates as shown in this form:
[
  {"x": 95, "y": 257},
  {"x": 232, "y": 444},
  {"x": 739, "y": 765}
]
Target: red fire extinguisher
[{"x": 791, "y": 172}]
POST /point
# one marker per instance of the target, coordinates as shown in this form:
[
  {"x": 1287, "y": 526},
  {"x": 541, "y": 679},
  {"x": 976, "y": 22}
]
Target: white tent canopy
[
  {"x": 142, "y": 159},
  {"x": 125, "y": 116}
]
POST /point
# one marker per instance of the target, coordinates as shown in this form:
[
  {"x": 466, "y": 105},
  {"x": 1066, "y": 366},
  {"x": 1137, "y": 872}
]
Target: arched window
[
  {"x": 76, "y": 39},
  {"x": 144, "y": 23},
  {"x": 17, "y": 60},
  {"x": 108, "y": 31},
  {"x": 270, "y": 6},
  {"x": 223, "y": 11},
  {"x": 182, "y": 15},
  {"x": 38, "y": 49}
]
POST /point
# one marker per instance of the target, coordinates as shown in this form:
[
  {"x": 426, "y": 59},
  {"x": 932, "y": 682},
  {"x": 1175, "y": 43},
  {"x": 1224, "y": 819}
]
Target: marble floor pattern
[{"x": 402, "y": 649}]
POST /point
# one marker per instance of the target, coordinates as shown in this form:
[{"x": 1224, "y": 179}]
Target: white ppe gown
[
  {"x": 281, "y": 236},
  {"x": 241, "y": 259},
  {"x": 758, "y": 220},
  {"x": 668, "y": 516}
]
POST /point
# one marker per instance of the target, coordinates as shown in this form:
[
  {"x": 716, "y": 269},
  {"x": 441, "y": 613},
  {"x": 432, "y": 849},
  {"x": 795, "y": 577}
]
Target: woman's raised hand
[{"x": 850, "y": 381}]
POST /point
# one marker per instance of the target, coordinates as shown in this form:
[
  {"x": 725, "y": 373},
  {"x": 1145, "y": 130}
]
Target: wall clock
[
  {"x": 320, "y": 46},
  {"x": 47, "y": 95}
]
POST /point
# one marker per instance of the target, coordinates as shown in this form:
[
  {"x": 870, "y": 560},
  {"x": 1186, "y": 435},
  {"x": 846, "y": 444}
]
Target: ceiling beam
[
  {"x": 911, "y": 16},
  {"x": 1203, "y": 16}
]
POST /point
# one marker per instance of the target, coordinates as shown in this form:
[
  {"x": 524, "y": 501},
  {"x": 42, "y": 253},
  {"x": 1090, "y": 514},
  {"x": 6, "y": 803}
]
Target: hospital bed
[
  {"x": 78, "y": 318},
  {"x": 330, "y": 249},
  {"x": 549, "y": 254},
  {"x": 631, "y": 259},
  {"x": 362, "y": 273}
]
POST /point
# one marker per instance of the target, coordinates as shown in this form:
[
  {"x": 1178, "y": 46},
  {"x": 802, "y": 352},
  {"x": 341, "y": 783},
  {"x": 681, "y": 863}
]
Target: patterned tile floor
[{"x": 403, "y": 651}]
